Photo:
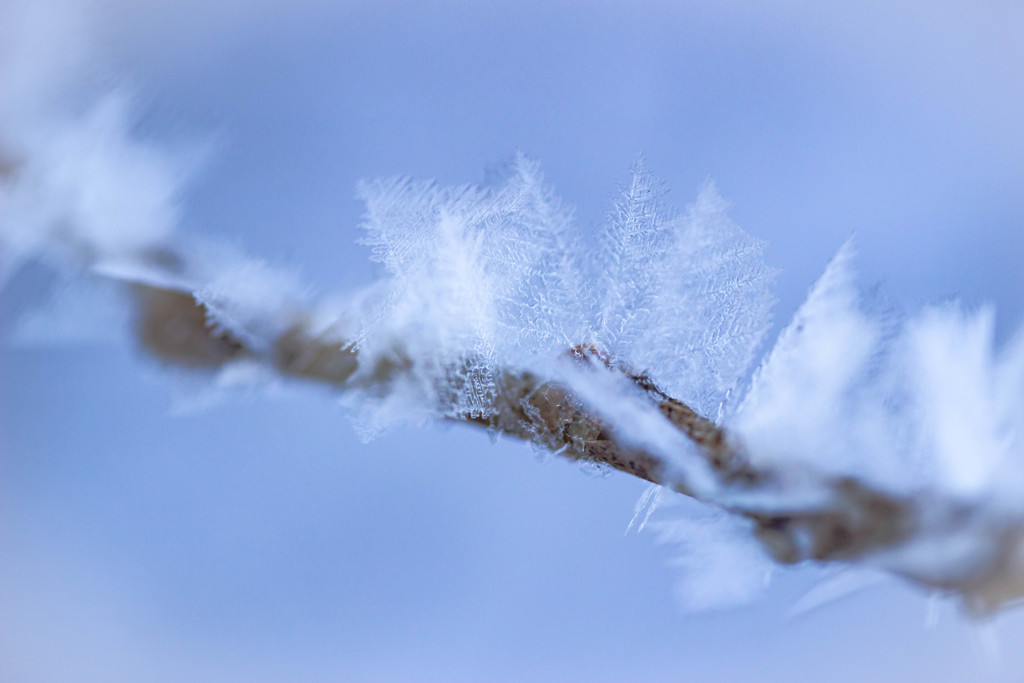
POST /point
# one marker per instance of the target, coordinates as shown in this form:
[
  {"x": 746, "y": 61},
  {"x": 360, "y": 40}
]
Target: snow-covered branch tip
[
  {"x": 864, "y": 437},
  {"x": 797, "y": 513}
]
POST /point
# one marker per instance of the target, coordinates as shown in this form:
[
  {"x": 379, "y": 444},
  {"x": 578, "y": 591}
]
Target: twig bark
[{"x": 851, "y": 522}]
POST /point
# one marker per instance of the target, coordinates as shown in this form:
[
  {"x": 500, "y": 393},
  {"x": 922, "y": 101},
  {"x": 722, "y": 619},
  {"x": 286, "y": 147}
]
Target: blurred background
[{"x": 260, "y": 540}]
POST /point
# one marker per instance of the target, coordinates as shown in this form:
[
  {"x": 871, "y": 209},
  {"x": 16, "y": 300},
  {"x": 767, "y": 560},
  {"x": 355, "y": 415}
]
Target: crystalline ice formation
[
  {"x": 479, "y": 274},
  {"x": 499, "y": 275},
  {"x": 907, "y": 403},
  {"x": 86, "y": 189},
  {"x": 719, "y": 562},
  {"x": 687, "y": 299}
]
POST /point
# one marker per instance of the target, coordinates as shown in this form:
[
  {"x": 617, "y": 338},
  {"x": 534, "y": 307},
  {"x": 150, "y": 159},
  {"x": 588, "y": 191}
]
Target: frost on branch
[
  {"x": 921, "y": 410},
  {"x": 480, "y": 277},
  {"x": 821, "y": 393},
  {"x": 865, "y": 438},
  {"x": 489, "y": 278},
  {"x": 903, "y": 402},
  {"x": 86, "y": 190},
  {"x": 685, "y": 298}
]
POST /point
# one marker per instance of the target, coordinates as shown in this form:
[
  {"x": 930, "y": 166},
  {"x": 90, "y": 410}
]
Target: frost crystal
[
  {"x": 478, "y": 272},
  {"x": 249, "y": 300},
  {"x": 922, "y": 402},
  {"x": 86, "y": 189},
  {"x": 635, "y": 238},
  {"x": 720, "y": 564},
  {"x": 482, "y": 273},
  {"x": 807, "y": 387},
  {"x": 686, "y": 298}
]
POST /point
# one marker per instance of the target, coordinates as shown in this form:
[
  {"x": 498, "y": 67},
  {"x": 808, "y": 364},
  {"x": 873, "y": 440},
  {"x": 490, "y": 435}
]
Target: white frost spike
[
  {"x": 645, "y": 507},
  {"x": 478, "y": 274},
  {"x": 970, "y": 402},
  {"x": 686, "y": 298},
  {"x": 798, "y": 406},
  {"x": 538, "y": 248},
  {"x": 841, "y": 584},
  {"x": 251, "y": 301},
  {"x": 930, "y": 405},
  {"x": 721, "y": 565},
  {"x": 441, "y": 301},
  {"x": 715, "y": 304},
  {"x": 86, "y": 190},
  {"x": 633, "y": 240}
]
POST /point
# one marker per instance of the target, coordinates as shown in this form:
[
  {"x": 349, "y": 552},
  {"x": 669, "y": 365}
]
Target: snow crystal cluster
[
  {"x": 488, "y": 279},
  {"x": 492, "y": 278},
  {"x": 908, "y": 403},
  {"x": 75, "y": 184}
]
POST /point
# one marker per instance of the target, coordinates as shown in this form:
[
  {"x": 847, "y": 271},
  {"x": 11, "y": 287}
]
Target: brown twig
[{"x": 852, "y": 521}]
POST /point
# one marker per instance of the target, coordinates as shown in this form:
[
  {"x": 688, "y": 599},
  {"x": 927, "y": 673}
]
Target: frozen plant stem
[
  {"x": 853, "y": 522},
  {"x": 488, "y": 318},
  {"x": 892, "y": 444}
]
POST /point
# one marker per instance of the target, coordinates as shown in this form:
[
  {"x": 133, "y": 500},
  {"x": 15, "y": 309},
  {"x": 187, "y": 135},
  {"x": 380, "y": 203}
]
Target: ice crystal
[
  {"x": 634, "y": 239},
  {"x": 478, "y": 273},
  {"x": 501, "y": 271},
  {"x": 719, "y": 563},
  {"x": 905, "y": 402},
  {"x": 86, "y": 189},
  {"x": 686, "y": 298}
]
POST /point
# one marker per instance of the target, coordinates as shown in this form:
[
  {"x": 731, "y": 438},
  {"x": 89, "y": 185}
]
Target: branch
[{"x": 828, "y": 518}]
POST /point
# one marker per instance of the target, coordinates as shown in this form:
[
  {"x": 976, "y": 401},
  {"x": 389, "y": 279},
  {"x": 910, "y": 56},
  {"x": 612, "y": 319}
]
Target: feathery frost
[
  {"x": 482, "y": 276},
  {"x": 905, "y": 402},
  {"x": 487, "y": 282},
  {"x": 686, "y": 298}
]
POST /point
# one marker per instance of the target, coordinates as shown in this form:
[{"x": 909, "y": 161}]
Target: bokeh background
[{"x": 259, "y": 540}]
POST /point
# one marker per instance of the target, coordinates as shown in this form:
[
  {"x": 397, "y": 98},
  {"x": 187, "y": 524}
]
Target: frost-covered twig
[
  {"x": 863, "y": 437},
  {"x": 829, "y": 518}
]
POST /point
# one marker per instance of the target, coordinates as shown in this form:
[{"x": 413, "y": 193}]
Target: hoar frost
[
  {"x": 483, "y": 279},
  {"x": 489, "y": 285}
]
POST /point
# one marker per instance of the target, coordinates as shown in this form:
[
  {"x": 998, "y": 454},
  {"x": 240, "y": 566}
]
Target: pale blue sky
[{"x": 260, "y": 540}]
